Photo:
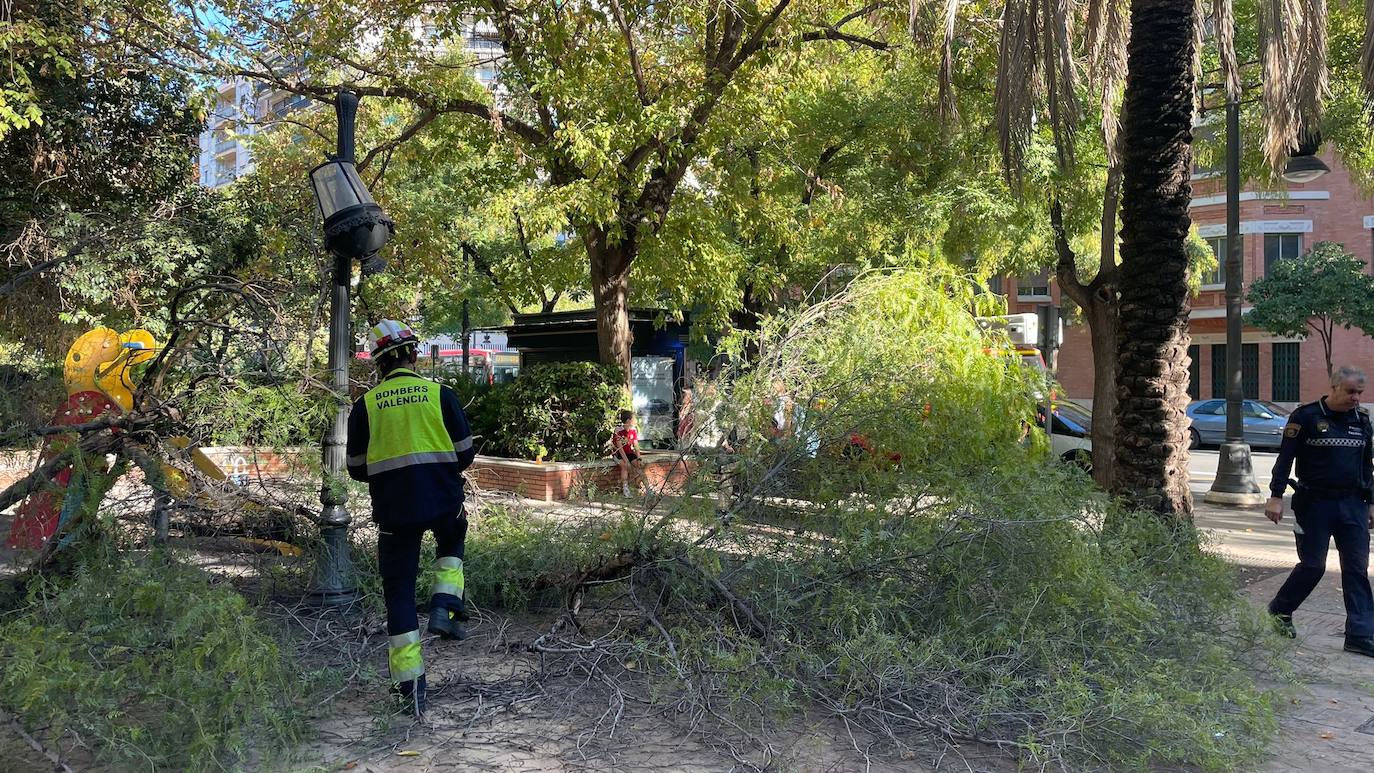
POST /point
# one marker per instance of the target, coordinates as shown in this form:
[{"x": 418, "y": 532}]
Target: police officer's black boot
[
  {"x": 1360, "y": 645},
  {"x": 410, "y": 696}
]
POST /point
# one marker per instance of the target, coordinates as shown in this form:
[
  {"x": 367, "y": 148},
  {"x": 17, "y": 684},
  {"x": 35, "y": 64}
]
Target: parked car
[
  {"x": 1071, "y": 434},
  {"x": 1261, "y": 420}
]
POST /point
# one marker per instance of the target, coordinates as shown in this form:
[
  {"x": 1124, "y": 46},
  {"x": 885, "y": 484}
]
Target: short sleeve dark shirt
[{"x": 1331, "y": 448}]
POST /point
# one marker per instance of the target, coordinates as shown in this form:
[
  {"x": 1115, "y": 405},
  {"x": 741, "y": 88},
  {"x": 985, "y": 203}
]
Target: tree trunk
[
  {"x": 1152, "y": 335},
  {"x": 1102, "y": 324},
  {"x": 609, "y": 264}
]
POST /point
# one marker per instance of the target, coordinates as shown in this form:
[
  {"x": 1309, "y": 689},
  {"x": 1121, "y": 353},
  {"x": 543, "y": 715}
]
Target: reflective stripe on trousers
[
  {"x": 403, "y": 656},
  {"x": 448, "y": 576}
]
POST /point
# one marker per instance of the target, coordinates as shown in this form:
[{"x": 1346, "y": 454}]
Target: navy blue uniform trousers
[
  {"x": 398, "y": 562},
  {"x": 1319, "y": 521}
]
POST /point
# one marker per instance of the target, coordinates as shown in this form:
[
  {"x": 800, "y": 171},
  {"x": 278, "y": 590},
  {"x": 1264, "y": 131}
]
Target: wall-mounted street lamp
[{"x": 355, "y": 228}]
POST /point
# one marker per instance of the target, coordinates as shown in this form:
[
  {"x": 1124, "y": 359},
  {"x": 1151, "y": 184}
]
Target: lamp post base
[
  {"x": 334, "y": 582},
  {"x": 1235, "y": 482}
]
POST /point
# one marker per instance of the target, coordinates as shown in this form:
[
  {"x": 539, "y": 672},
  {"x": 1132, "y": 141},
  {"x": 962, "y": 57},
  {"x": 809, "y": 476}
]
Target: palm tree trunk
[{"x": 1152, "y": 362}]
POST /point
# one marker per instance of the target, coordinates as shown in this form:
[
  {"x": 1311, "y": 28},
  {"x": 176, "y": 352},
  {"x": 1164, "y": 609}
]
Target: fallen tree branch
[
  {"x": 93, "y": 445},
  {"x": 726, "y": 595},
  {"x": 33, "y": 743}
]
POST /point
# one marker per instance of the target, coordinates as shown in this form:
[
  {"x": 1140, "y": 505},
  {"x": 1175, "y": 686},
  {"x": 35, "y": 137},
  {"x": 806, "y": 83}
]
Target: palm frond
[
  {"x": 1107, "y": 30},
  {"x": 1035, "y": 59},
  {"x": 1224, "y": 21},
  {"x": 1018, "y": 76},
  {"x": 949, "y": 106},
  {"x": 1293, "y": 53}
]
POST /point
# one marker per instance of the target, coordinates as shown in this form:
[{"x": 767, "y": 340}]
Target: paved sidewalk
[{"x": 1329, "y": 721}]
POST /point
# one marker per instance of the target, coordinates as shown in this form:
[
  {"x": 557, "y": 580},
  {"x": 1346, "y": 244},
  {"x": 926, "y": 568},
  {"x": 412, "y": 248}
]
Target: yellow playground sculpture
[{"x": 98, "y": 373}]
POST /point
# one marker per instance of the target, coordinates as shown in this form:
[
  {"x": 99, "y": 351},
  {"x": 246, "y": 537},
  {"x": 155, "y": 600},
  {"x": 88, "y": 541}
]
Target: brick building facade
[{"x": 1274, "y": 225}]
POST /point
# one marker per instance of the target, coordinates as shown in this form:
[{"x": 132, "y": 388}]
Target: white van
[{"x": 1071, "y": 434}]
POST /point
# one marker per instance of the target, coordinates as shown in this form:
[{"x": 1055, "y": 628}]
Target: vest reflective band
[
  {"x": 405, "y": 421},
  {"x": 448, "y": 577},
  {"x": 403, "y": 657}
]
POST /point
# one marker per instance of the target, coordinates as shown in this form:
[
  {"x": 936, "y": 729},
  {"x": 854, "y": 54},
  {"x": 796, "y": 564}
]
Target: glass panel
[
  {"x": 651, "y": 392},
  {"x": 1217, "y": 277},
  {"x": 1219, "y": 371},
  {"x": 1249, "y": 371},
  {"x": 1286, "y": 371},
  {"x": 1035, "y": 285},
  {"x": 337, "y": 187},
  {"x": 1280, "y": 247}
]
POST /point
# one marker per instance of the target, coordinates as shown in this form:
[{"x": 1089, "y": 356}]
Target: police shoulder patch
[{"x": 1292, "y": 430}]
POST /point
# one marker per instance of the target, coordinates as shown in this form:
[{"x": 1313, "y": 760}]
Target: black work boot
[
  {"x": 446, "y": 624},
  {"x": 1283, "y": 624},
  {"x": 410, "y": 696},
  {"x": 1360, "y": 645}
]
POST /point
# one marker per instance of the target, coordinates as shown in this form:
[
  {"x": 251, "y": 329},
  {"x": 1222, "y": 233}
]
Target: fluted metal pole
[{"x": 335, "y": 579}]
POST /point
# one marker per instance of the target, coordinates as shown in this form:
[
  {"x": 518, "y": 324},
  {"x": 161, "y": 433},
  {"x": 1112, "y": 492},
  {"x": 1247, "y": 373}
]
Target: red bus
[{"x": 484, "y": 365}]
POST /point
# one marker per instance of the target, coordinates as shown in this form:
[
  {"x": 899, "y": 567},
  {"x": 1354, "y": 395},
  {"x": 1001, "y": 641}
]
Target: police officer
[
  {"x": 409, "y": 439},
  {"x": 1331, "y": 440}
]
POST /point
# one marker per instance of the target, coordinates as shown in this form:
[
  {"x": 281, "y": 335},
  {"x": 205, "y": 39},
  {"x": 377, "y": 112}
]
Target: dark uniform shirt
[{"x": 1332, "y": 449}]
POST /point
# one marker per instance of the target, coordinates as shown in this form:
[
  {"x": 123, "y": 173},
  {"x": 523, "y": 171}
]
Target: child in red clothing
[{"x": 625, "y": 449}]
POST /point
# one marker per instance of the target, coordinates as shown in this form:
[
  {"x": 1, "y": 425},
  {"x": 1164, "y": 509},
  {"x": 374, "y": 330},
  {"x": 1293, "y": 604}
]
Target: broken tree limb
[
  {"x": 92, "y": 445},
  {"x": 725, "y": 594}
]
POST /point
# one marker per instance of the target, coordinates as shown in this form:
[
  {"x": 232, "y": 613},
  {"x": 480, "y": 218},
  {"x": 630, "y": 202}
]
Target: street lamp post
[
  {"x": 355, "y": 228},
  {"x": 1235, "y": 480}
]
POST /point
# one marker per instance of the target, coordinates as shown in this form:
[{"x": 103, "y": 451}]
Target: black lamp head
[
  {"x": 355, "y": 226},
  {"x": 1304, "y": 165}
]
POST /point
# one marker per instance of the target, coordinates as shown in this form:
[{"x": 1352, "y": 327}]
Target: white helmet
[{"x": 388, "y": 335}]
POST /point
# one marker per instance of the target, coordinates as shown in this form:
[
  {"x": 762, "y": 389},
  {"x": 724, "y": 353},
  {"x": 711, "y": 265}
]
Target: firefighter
[
  {"x": 409, "y": 440},
  {"x": 1331, "y": 442}
]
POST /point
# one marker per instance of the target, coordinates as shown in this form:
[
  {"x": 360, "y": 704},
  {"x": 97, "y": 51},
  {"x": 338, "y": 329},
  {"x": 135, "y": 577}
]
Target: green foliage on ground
[
  {"x": 560, "y": 411},
  {"x": 150, "y": 665},
  {"x": 973, "y": 590}
]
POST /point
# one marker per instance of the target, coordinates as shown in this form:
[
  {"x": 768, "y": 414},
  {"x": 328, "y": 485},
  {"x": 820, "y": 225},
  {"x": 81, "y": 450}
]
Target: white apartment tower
[{"x": 244, "y": 108}]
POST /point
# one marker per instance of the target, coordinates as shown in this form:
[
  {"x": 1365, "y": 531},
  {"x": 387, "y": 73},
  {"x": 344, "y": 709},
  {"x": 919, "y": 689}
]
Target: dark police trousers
[
  {"x": 398, "y": 562},
  {"x": 1318, "y": 521}
]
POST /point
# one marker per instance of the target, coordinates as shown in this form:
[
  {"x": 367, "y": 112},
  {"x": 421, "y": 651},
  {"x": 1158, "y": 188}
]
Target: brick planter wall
[
  {"x": 556, "y": 481},
  {"x": 550, "y": 482},
  {"x": 235, "y": 461}
]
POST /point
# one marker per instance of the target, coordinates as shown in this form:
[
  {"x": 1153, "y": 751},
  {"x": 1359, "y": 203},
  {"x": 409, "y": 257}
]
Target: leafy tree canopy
[{"x": 1325, "y": 288}]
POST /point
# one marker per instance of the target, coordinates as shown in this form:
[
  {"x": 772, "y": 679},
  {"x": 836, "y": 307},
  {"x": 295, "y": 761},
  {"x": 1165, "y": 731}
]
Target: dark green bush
[
  {"x": 150, "y": 665},
  {"x": 484, "y": 404},
  {"x": 560, "y": 411}
]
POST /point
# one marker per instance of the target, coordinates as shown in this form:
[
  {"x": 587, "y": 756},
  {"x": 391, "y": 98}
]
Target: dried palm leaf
[
  {"x": 1224, "y": 22},
  {"x": 1107, "y": 31},
  {"x": 949, "y": 106},
  {"x": 1018, "y": 78}
]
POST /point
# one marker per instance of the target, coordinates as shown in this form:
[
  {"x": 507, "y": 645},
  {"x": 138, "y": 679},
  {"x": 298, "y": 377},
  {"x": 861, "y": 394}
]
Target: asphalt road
[{"x": 1202, "y": 469}]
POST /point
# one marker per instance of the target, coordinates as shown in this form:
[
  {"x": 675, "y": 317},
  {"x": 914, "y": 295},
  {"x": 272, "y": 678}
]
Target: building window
[
  {"x": 1280, "y": 247},
  {"x": 1194, "y": 372},
  {"x": 996, "y": 285},
  {"x": 1218, "y": 276},
  {"x": 1249, "y": 371},
  {"x": 1286, "y": 369},
  {"x": 1033, "y": 286}
]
